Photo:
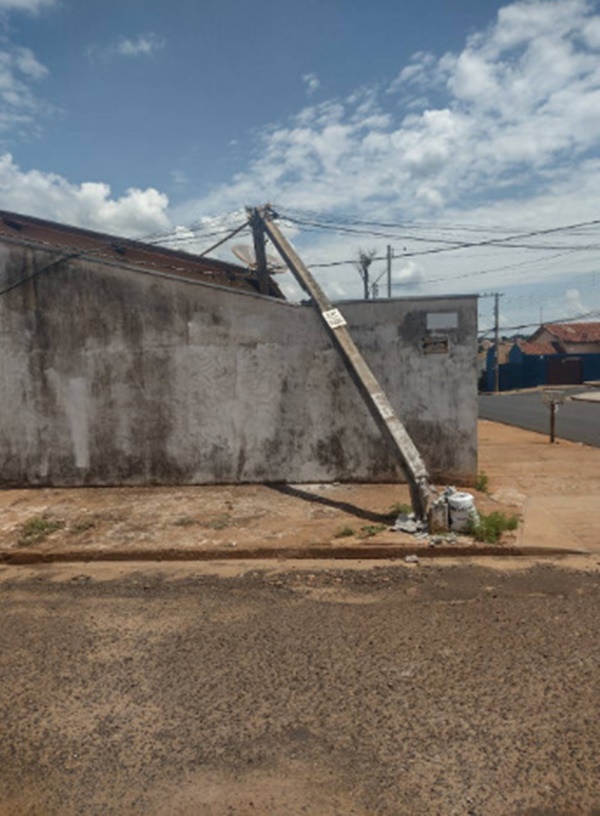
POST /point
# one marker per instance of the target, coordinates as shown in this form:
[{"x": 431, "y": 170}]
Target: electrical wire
[
  {"x": 99, "y": 253},
  {"x": 346, "y": 220},
  {"x": 37, "y": 272},
  {"x": 179, "y": 238},
  {"x": 223, "y": 240},
  {"x": 507, "y": 241},
  {"x": 582, "y": 316}
]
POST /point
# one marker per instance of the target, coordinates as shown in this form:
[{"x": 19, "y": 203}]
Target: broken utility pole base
[{"x": 400, "y": 443}]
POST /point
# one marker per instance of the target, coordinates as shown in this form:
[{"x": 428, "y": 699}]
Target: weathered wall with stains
[{"x": 112, "y": 376}]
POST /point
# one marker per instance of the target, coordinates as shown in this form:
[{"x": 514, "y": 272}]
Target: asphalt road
[
  {"x": 575, "y": 420},
  {"x": 393, "y": 690}
]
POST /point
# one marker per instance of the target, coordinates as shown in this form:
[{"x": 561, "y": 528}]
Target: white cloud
[
  {"x": 178, "y": 177},
  {"x": 51, "y": 196},
  {"x": 409, "y": 274},
  {"x": 26, "y": 61},
  {"x": 520, "y": 101},
  {"x": 504, "y": 131},
  {"x": 31, "y": 6},
  {"x": 20, "y": 108},
  {"x": 144, "y": 45},
  {"x": 312, "y": 83},
  {"x": 416, "y": 73},
  {"x": 572, "y": 302}
]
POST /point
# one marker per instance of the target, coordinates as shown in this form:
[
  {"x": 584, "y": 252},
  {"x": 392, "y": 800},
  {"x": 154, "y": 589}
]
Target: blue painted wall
[{"x": 530, "y": 371}]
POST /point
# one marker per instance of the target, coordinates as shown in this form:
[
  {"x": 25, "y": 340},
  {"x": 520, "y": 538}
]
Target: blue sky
[{"x": 460, "y": 121}]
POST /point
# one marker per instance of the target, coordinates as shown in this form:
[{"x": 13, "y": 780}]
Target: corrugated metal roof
[{"x": 35, "y": 231}]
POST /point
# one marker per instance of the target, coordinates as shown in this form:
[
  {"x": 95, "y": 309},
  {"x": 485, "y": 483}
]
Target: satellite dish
[{"x": 247, "y": 255}]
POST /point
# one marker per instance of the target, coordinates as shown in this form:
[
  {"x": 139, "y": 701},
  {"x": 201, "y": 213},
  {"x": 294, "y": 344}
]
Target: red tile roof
[
  {"x": 537, "y": 348},
  {"x": 24, "y": 229},
  {"x": 575, "y": 332}
]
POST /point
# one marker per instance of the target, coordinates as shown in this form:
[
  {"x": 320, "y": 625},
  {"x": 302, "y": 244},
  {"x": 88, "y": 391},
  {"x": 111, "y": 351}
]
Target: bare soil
[
  {"x": 284, "y": 689},
  {"x": 524, "y": 472},
  {"x": 287, "y": 687}
]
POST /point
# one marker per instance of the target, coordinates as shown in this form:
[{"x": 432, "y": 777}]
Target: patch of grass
[
  {"x": 481, "y": 483},
  {"x": 490, "y": 526},
  {"x": 184, "y": 521},
  {"x": 372, "y": 529},
  {"x": 36, "y": 529},
  {"x": 399, "y": 509},
  {"x": 345, "y": 532}
]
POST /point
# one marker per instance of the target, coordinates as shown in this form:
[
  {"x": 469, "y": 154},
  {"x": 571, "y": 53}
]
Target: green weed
[
  {"x": 372, "y": 529},
  {"x": 490, "y": 527},
  {"x": 398, "y": 509},
  {"x": 36, "y": 529},
  {"x": 345, "y": 532},
  {"x": 481, "y": 483}
]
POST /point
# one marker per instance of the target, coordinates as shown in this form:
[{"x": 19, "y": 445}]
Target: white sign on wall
[
  {"x": 442, "y": 320},
  {"x": 334, "y": 318}
]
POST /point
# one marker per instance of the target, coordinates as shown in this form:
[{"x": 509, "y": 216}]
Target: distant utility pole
[
  {"x": 497, "y": 296},
  {"x": 362, "y": 264},
  {"x": 390, "y": 255}
]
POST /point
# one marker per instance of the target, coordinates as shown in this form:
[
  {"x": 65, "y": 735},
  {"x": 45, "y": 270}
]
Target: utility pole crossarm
[{"x": 393, "y": 430}]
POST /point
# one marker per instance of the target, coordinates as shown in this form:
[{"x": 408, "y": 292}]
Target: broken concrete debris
[
  {"x": 438, "y": 515},
  {"x": 409, "y": 523},
  {"x": 452, "y": 512},
  {"x": 448, "y": 538}
]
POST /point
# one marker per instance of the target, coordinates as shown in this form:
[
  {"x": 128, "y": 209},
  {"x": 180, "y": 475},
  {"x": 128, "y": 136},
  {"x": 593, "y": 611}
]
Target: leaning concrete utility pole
[
  {"x": 260, "y": 254},
  {"x": 404, "y": 449}
]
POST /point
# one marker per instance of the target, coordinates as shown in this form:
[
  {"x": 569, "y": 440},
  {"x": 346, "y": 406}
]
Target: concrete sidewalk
[
  {"x": 562, "y": 520},
  {"x": 588, "y": 396},
  {"x": 555, "y": 487}
]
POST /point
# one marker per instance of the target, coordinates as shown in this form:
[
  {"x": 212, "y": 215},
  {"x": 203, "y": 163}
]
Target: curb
[{"x": 378, "y": 552}]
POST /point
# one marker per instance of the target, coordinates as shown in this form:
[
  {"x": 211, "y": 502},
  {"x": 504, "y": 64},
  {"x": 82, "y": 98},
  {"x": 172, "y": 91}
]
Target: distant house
[
  {"x": 486, "y": 360},
  {"x": 555, "y": 354},
  {"x": 569, "y": 338}
]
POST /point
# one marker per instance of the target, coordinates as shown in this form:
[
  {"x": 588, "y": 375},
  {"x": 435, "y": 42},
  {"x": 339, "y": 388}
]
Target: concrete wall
[{"x": 112, "y": 376}]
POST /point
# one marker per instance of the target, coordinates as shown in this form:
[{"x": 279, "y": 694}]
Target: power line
[
  {"x": 224, "y": 240},
  {"x": 37, "y": 272},
  {"x": 584, "y": 315},
  {"x": 345, "y": 220},
  {"x": 508, "y": 241},
  {"x": 196, "y": 236}
]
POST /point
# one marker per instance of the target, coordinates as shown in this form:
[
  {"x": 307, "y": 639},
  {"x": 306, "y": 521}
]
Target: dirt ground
[
  {"x": 550, "y": 487},
  {"x": 287, "y": 688}
]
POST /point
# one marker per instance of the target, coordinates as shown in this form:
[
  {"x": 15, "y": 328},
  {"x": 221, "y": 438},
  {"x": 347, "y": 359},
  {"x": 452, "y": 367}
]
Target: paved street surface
[
  {"x": 438, "y": 688},
  {"x": 575, "y": 420}
]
